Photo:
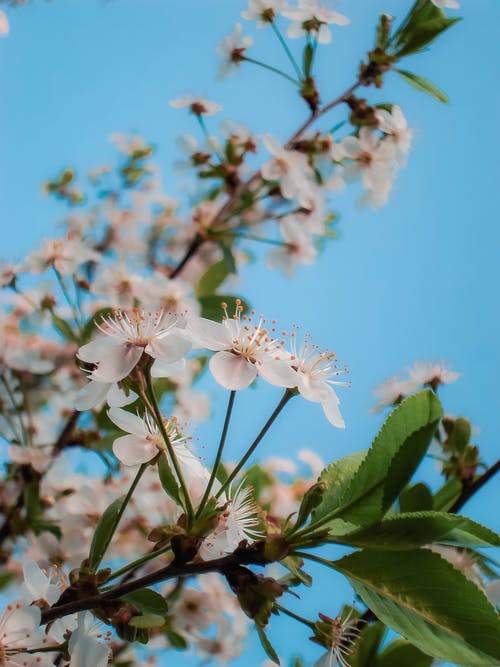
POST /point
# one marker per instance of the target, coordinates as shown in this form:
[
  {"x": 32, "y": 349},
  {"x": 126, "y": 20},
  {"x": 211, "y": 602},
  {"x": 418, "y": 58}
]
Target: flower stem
[
  {"x": 218, "y": 456},
  {"x": 123, "y": 507},
  {"x": 68, "y": 298},
  {"x": 287, "y": 50},
  {"x": 140, "y": 561},
  {"x": 301, "y": 619},
  {"x": 284, "y": 400},
  {"x": 271, "y": 69},
  {"x": 170, "y": 448}
]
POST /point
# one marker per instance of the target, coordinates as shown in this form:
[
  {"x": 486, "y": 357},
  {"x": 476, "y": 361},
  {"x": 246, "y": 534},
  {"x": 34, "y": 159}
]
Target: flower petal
[
  {"x": 169, "y": 348},
  {"x": 278, "y": 373},
  {"x": 209, "y": 334},
  {"x": 118, "y": 398},
  {"x": 91, "y": 395},
  {"x": 98, "y": 348},
  {"x": 232, "y": 371},
  {"x": 117, "y": 363},
  {"x": 128, "y": 422},
  {"x": 131, "y": 450},
  {"x": 330, "y": 405}
]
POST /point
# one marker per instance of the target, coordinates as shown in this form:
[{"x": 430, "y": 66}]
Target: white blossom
[
  {"x": 197, "y": 105},
  {"x": 231, "y": 50},
  {"x": 310, "y": 16}
]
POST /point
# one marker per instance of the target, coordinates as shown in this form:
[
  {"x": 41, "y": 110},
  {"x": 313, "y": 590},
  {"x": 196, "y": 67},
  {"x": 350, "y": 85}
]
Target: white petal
[
  {"x": 232, "y": 371},
  {"x": 98, "y": 348},
  {"x": 91, "y": 395},
  {"x": 128, "y": 422},
  {"x": 209, "y": 334},
  {"x": 170, "y": 348},
  {"x": 330, "y": 405},
  {"x": 117, "y": 397},
  {"x": 131, "y": 450},
  {"x": 35, "y": 580},
  {"x": 160, "y": 369},
  {"x": 278, "y": 373},
  {"x": 118, "y": 363}
]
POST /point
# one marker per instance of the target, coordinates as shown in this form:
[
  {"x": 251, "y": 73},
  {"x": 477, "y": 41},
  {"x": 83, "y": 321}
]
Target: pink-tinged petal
[
  {"x": 132, "y": 451},
  {"x": 232, "y": 371},
  {"x": 330, "y": 405},
  {"x": 118, "y": 363},
  {"x": 91, "y": 395},
  {"x": 170, "y": 348},
  {"x": 278, "y": 373},
  {"x": 308, "y": 389},
  {"x": 207, "y": 333},
  {"x": 117, "y": 397},
  {"x": 98, "y": 348},
  {"x": 128, "y": 422},
  {"x": 160, "y": 369}
]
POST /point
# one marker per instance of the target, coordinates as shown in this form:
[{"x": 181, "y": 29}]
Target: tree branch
[{"x": 469, "y": 490}]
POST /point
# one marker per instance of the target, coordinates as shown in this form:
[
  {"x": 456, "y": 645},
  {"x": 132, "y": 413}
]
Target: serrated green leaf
[
  {"x": 148, "y": 601},
  {"x": 337, "y": 477},
  {"x": 104, "y": 529},
  {"x": 413, "y": 40},
  {"x": 147, "y": 621},
  {"x": 415, "y": 529},
  {"x": 364, "y": 496},
  {"x": 423, "y": 85},
  {"x": 429, "y": 602},
  {"x": 266, "y": 645}
]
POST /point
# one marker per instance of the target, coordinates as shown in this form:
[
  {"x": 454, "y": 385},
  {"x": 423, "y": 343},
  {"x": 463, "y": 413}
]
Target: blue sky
[{"x": 415, "y": 280}]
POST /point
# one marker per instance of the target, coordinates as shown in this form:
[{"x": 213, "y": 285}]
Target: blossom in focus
[
  {"x": 86, "y": 646},
  {"x": 263, "y": 12},
  {"x": 243, "y": 350},
  {"x": 232, "y": 50},
  {"x": 311, "y": 17},
  {"x": 127, "y": 335},
  {"x": 197, "y": 105},
  {"x": 19, "y": 633},
  {"x": 65, "y": 255},
  {"x": 144, "y": 441},
  {"x": 239, "y": 521},
  {"x": 315, "y": 372},
  {"x": 40, "y": 585}
]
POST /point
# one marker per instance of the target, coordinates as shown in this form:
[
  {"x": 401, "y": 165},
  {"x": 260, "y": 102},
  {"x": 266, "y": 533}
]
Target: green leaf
[
  {"x": 447, "y": 495},
  {"x": 423, "y": 85},
  {"x": 148, "y": 601},
  {"x": 294, "y": 565},
  {"x": 266, "y": 645},
  {"x": 364, "y": 495},
  {"x": 416, "y": 498},
  {"x": 147, "y": 621},
  {"x": 64, "y": 328},
  {"x": 366, "y": 646},
  {"x": 429, "y": 602},
  {"x": 426, "y": 32},
  {"x": 401, "y": 652},
  {"x": 167, "y": 480},
  {"x": 213, "y": 277},
  {"x": 337, "y": 477},
  {"x": 31, "y": 498},
  {"x": 415, "y": 529},
  {"x": 211, "y": 306},
  {"x": 103, "y": 531}
]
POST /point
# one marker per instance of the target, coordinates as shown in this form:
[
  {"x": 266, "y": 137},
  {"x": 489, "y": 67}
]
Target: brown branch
[
  {"x": 469, "y": 490},
  {"x": 66, "y": 433},
  {"x": 242, "y": 556}
]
